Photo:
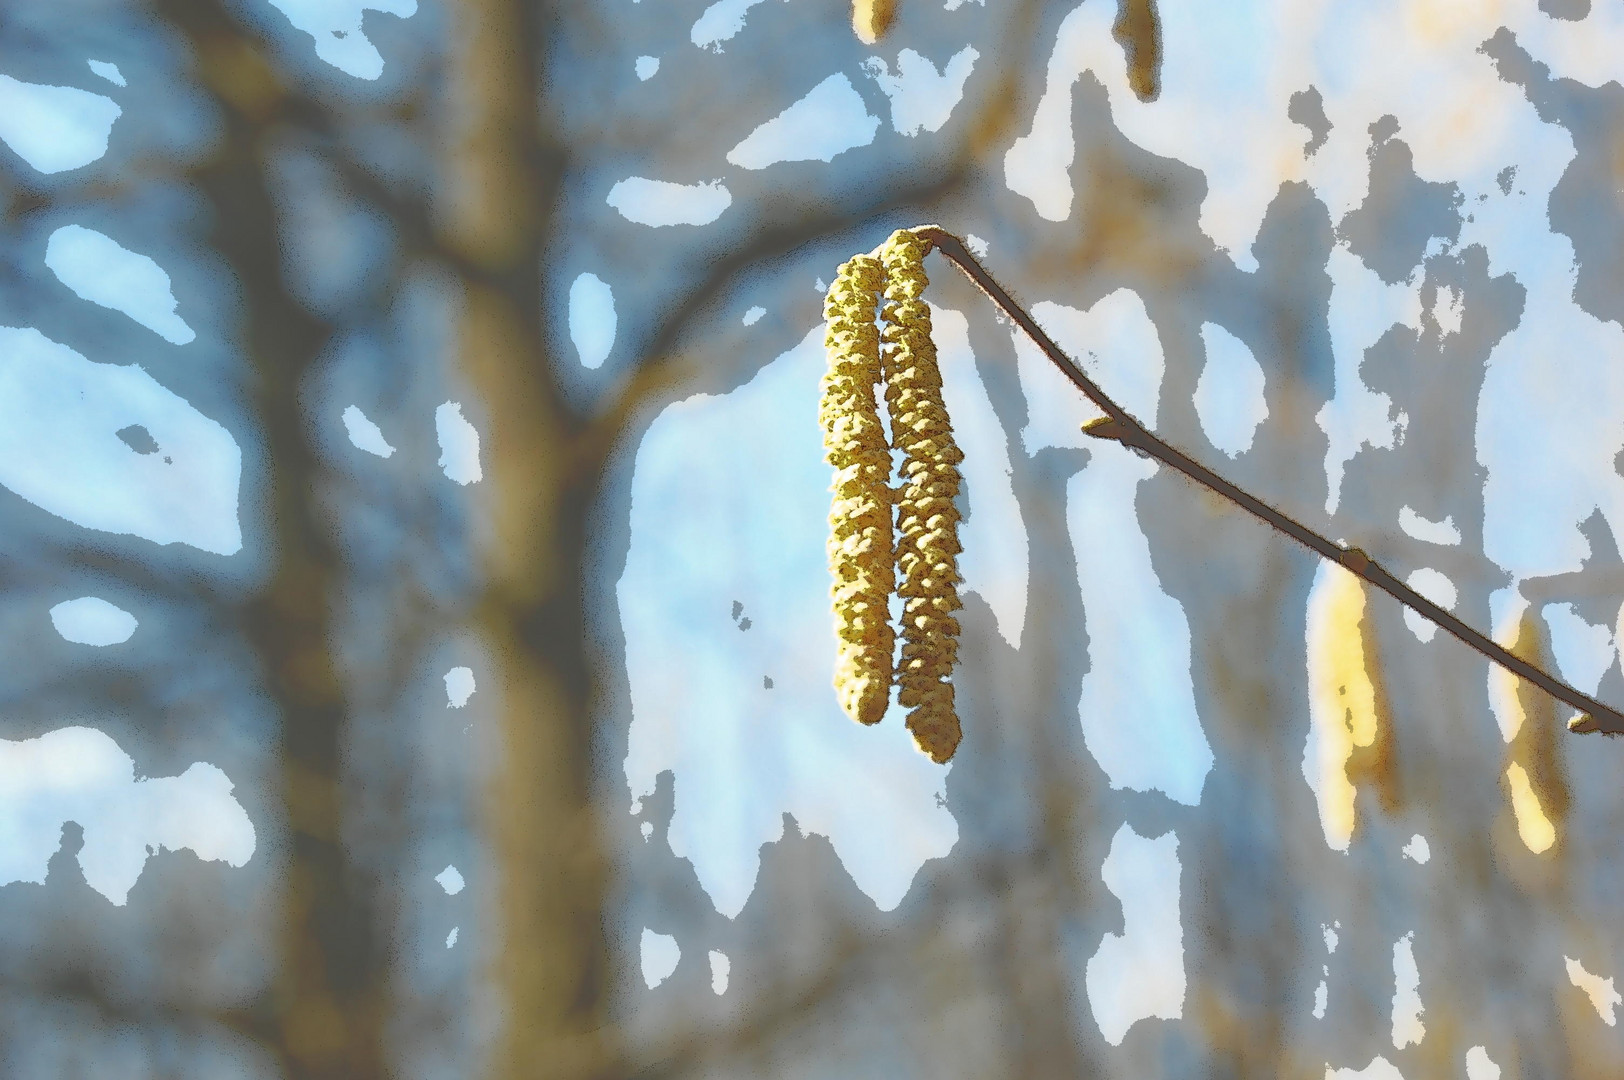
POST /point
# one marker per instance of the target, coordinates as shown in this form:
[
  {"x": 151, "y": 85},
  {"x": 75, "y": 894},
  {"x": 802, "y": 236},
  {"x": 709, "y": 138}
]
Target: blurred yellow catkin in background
[
  {"x": 927, "y": 521},
  {"x": 860, "y": 548},
  {"x": 1527, "y": 719},
  {"x": 1341, "y": 696},
  {"x": 870, "y": 19}
]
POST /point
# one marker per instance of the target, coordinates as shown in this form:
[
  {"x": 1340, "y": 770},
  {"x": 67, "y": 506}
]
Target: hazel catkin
[
  {"x": 927, "y": 520},
  {"x": 860, "y": 531}
]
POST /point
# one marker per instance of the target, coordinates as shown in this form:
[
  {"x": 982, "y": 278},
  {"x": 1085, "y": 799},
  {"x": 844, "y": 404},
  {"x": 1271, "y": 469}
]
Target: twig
[{"x": 1118, "y": 426}]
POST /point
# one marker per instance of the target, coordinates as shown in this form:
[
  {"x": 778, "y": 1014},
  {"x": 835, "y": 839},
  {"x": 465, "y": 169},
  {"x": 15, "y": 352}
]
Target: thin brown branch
[{"x": 1118, "y": 426}]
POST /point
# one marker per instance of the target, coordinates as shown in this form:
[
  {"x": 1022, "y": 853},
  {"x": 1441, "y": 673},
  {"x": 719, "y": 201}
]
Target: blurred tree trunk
[
  {"x": 549, "y": 960},
  {"x": 325, "y": 1014},
  {"x": 550, "y": 963}
]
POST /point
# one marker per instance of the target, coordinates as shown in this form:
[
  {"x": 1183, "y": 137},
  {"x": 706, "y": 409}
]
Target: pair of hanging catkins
[{"x": 865, "y": 560}]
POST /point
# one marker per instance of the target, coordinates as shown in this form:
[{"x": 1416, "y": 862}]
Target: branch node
[{"x": 1109, "y": 427}]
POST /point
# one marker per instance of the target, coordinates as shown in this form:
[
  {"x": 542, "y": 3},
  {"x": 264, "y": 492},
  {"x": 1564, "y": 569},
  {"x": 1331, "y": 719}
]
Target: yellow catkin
[
  {"x": 1341, "y": 696},
  {"x": 927, "y": 521},
  {"x": 1528, "y": 718},
  {"x": 860, "y": 532},
  {"x": 870, "y": 19},
  {"x": 1535, "y": 829}
]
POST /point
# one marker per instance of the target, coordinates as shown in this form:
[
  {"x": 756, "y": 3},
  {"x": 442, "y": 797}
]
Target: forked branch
[{"x": 1118, "y": 426}]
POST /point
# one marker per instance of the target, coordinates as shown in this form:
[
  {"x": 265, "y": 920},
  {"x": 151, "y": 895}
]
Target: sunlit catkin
[
  {"x": 927, "y": 521},
  {"x": 860, "y": 549}
]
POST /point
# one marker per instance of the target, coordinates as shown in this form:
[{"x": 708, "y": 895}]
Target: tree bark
[{"x": 549, "y": 966}]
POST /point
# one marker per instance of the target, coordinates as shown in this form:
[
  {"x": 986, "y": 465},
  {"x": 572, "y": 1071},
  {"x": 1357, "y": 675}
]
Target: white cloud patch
[
  {"x": 459, "y": 687},
  {"x": 829, "y": 120},
  {"x": 1479, "y": 1066},
  {"x": 97, "y": 268},
  {"x": 336, "y": 26},
  {"x": 1322, "y": 992},
  {"x": 719, "y": 966},
  {"x": 659, "y": 202},
  {"x": 1432, "y": 532},
  {"x": 1599, "y": 990},
  {"x": 922, "y": 98},
  {"x": 1547, "y": 433},
  {"x": 1583, "y": 652},
  {"x": 1407, "y": 1027},
  {"x": 1417, "y": 850},
  {"x": 90, "y": 620},
  {"x": 1378, "y": 1069},
  {"x": 754, "y": 315},
  {"x": 60, "y": 415},
  {"x": 720, "y": 22},
  {"x": 660, "y": 954},
  {"x": 1448, "y": 308},
  {"x": 1137, "y": 706},
  {"x": 1363, "y": 307},
  {"x": 459, "y": 445},
  {"x": 450, "y": 879},
  {"x": 647, "y": 66},
  {"x": 1038, "y": 165},
  {"x": 1116, "y": 345},
  {"x": 1229, "y": 395},
  {"x": 1436, "y": 586},
  {"x": 1139, "y": 974},
  {"x": 108, "y": 71},
  {"x": 55, "y": 128},
  {"x": 1586, "y": 50},
  {"x": 592, "y": 319},
  {"x": 81, "y": 775},
  {"x": 364, "y": 434}
]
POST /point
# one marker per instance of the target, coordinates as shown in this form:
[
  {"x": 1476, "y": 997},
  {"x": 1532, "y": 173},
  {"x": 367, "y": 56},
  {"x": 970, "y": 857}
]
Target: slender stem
[{"x": 1120, "y": 427}]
